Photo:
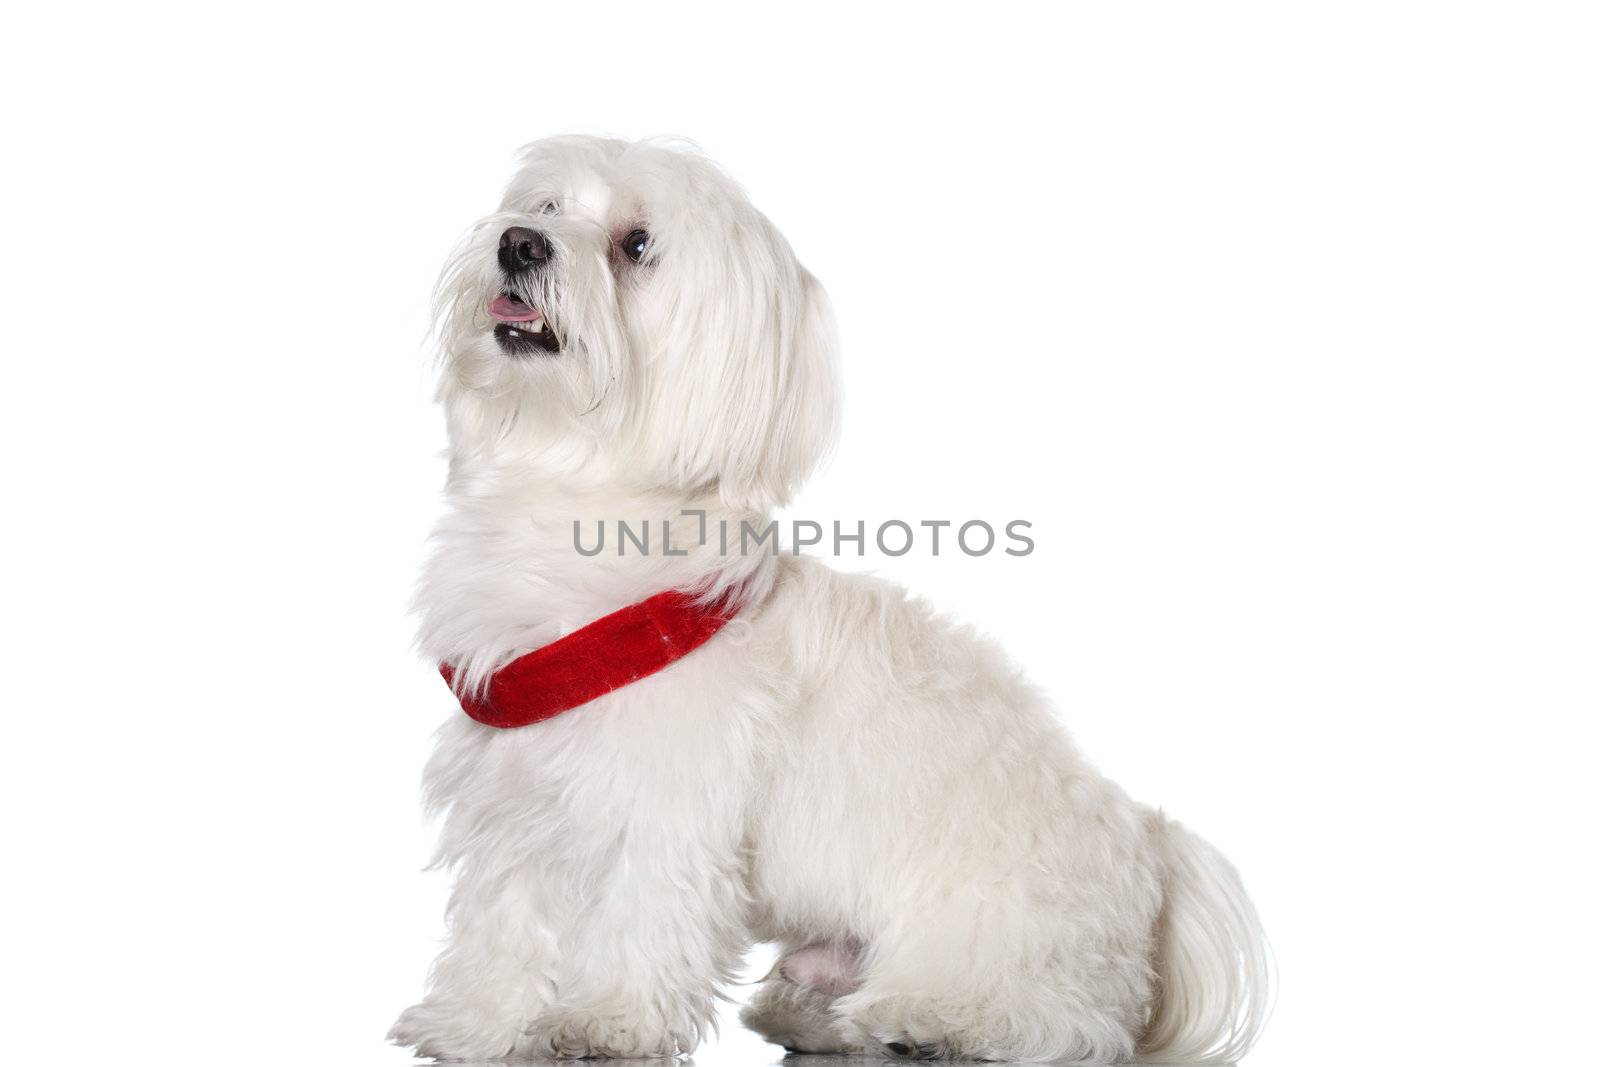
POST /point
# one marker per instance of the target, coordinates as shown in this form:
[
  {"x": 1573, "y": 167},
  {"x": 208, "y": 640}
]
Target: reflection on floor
[{"x": 778, "y": 1058}]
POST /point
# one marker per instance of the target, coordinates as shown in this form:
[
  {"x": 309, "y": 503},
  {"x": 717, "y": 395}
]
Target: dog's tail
[{"x": 1213, "y": 972}]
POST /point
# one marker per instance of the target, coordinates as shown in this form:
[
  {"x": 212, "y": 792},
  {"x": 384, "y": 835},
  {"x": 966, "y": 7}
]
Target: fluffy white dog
[{"x": 837, "y": 770}]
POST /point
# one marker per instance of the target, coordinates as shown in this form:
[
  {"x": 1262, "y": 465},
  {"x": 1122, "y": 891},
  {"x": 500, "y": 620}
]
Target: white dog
[{"x": 835, "y": 769}]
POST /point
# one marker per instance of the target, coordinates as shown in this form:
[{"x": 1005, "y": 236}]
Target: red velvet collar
[{"x": 600, "y": 658}]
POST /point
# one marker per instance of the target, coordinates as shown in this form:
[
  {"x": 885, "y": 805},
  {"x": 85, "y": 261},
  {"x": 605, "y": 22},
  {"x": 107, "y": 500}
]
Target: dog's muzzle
[{"x": 520, "y": 328}]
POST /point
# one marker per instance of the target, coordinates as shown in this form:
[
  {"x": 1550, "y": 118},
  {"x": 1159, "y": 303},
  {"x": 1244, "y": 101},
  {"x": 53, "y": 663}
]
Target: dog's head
[{"x": 629, "y": 316}]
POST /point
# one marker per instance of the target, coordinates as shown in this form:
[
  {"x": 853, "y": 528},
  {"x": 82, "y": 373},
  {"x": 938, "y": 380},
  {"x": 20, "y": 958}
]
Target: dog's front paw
[
  {"x": 602, "y": 1034},
  {"x": 445, "y": 1030}
]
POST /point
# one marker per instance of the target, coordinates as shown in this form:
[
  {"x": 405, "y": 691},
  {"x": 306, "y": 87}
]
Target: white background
[{"x": 1277, "y": 320}]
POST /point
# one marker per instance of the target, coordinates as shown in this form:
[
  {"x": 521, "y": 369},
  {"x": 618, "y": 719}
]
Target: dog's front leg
[
  {"x": 647, "y": 953},
  {"x": 495, "y": 972}
]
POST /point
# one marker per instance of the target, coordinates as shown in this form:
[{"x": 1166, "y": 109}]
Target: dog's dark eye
[{"x": 634, "y": 244}]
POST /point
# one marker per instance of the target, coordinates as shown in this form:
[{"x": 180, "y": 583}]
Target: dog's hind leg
[
  {"x": 972, "y": 980},
  {"x": 797, "y": 1017}
]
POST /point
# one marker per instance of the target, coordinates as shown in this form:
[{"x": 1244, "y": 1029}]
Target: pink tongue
[{"x": 510, "y": 309}]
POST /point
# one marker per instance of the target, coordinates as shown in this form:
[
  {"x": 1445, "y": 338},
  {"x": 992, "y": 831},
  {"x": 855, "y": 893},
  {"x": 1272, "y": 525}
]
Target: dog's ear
[
  {"x": 783, "y": 414},
  {"x": 749, "y": 404}
]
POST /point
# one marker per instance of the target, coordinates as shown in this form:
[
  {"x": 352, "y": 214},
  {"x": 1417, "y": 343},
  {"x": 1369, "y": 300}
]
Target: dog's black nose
[{"x": 522, "y": 249}]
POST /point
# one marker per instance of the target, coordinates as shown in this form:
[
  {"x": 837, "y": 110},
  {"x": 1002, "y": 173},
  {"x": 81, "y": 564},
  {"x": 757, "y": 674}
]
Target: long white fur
[{"x": 838, "y": 765}]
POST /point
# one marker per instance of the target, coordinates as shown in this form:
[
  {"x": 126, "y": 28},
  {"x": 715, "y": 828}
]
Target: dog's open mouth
[{"x": 521, "y": 328}]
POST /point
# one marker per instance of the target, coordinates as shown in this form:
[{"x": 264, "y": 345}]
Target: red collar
[{"x": 600, "y": 658}]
